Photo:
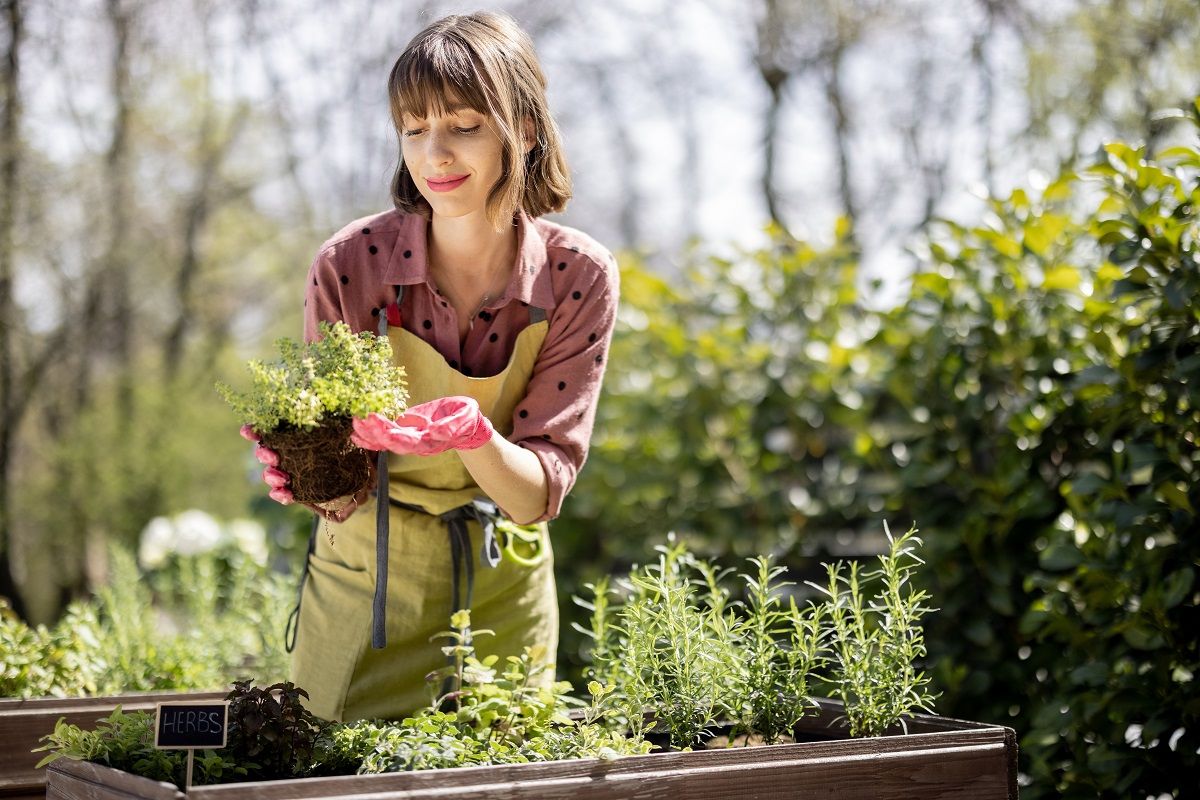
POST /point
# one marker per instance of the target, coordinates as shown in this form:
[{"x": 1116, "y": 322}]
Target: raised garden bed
[
  {"x": 24, "y": 722},
  {"x": 937, "y": 758}
]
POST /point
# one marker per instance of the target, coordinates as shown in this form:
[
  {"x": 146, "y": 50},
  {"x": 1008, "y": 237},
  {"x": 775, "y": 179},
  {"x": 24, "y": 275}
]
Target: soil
[
  {"x": 323, "y": 464},
  {"x": 742, "y": 740},
  {"x": 720, "y": 740}
]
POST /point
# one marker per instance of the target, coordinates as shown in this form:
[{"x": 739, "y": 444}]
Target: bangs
[{"x": 440, "y": 72}]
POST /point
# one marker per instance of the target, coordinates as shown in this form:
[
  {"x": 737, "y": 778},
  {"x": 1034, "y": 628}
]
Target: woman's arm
[{"x": 511, "y": 476}]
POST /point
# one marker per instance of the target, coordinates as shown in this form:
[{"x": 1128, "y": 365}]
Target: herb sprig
[{"x": 341, "y": 374}]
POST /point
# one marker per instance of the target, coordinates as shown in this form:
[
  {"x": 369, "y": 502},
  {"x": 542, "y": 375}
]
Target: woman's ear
[{"x": 530, "y": 134}]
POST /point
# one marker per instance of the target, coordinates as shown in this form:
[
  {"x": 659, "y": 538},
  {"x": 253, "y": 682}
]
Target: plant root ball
[{"x": 323, "y": 463}]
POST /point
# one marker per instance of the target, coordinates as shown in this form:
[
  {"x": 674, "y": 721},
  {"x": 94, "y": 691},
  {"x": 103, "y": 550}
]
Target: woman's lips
[{"x": 444, "y": 184}]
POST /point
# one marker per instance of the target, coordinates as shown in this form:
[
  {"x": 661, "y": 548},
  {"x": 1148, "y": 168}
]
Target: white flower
[
  {"x": 250, "y": 537},
  {"x": 196, "y": 532},
  {"x": 157, "y": 542}
]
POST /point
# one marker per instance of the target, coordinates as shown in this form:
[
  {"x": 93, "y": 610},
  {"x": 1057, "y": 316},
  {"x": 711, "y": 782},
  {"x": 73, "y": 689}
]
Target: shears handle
[{"x": 523, "y": 544}]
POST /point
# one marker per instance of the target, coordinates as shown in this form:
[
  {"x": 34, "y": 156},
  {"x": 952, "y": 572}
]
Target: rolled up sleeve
[{"x": 556, "y": 417}]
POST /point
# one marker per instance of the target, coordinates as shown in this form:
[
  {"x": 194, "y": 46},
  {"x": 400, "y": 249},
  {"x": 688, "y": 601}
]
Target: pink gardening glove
[
  {"x": 449, "y": 423},
  {"x": 274, "y": 477},
  {"x": 280, "y": 481}
]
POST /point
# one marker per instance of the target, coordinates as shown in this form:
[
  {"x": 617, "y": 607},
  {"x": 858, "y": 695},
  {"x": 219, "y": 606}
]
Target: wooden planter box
[
  {"x": 939, "y": 758},
  {"x": 24, "y": 722}
]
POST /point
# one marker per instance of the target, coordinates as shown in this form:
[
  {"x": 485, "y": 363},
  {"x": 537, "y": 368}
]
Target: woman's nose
[{"x": 439, "y": 151}]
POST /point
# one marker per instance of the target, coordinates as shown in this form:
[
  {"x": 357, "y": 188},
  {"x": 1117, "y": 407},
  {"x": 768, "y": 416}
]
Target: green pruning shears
[{"x": 522, "y": 543}]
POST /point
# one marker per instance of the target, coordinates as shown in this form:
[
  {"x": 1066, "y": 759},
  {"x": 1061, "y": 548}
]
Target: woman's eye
[
  {"x": 412, "y": 132},
  {"x": 467, "y": 130}
]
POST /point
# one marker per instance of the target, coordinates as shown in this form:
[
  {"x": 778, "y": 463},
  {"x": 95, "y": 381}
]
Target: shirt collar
[{"x": 530, "y": 281}]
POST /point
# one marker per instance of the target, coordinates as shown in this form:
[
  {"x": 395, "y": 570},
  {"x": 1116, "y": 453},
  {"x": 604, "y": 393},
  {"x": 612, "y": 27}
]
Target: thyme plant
[
  {"x": 341, "y": 374},
  {"x": 875, "y": 642}
]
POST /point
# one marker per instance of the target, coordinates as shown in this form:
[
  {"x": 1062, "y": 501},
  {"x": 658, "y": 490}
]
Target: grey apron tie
[{"x": 462, "y": 561}]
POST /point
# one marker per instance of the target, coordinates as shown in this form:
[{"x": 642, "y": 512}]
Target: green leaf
[
  {"x": 1125, "y": 252},
  {"x": 1060, "y": 555},
  {"x": 1175, "y": 496},
  {"x": 1142, "y": 637},
  {"x": 1094, "y": 673},
  {"x": 1177, "y": 586},
  {"x": 1061, "y": 277}
]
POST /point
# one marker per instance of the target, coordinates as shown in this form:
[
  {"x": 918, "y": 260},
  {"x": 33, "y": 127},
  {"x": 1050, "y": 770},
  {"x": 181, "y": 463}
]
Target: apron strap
[
  {"x": 462, "y": 561},
  {"x": 293, "y": 621},
  {"x": 382, "y": 511},
  {"x": 484, "y": 512}
]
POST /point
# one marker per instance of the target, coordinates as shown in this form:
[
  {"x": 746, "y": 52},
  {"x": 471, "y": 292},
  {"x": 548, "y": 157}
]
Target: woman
[{"x": 502, "y": 321}]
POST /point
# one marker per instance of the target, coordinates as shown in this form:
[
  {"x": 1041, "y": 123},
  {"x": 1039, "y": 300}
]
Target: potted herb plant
[{"x": 301, "y": 407}]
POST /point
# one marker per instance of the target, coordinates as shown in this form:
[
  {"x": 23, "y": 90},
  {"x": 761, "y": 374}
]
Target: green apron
[{"x": 333, "y": 658}]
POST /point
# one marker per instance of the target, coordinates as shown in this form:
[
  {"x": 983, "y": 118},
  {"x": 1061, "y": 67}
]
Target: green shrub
[
  {"x": 1033, "y": 400},
  {"x": 192, "y": 624}
]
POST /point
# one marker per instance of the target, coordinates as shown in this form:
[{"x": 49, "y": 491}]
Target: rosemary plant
[
  {"x": 875, "y": 643},
  {"x": 663, "y": 651},
  {"x": 780, "y": 648}
]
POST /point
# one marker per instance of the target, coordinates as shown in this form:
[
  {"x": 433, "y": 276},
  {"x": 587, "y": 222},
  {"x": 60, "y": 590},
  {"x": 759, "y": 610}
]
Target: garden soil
[{"x": 323, "y": 463}]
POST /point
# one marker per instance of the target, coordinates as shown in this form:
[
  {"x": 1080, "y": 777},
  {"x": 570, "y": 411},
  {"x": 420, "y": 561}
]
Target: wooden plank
[
  {"x": 24, "y": 722},
  {"x": 829, "y": 721},
  {"x": 81, "y": 780},
  {"x": 962, "y": 759},
  {"x": 949, "y": 764}
]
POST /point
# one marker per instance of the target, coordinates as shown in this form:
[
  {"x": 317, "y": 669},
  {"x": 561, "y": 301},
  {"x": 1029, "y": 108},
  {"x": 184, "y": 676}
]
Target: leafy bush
[
  {"x": 1033, "y": 400},
  {"x": 341, "y": 374},
  {"x": 190, "y": 625}
]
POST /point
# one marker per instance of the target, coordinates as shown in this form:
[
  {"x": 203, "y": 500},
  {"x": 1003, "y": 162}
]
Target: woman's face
[{"x": 454, "y": 159}]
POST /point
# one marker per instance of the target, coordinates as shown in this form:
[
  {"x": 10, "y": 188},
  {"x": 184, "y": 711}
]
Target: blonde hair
[{"x": 486, "y": 61}]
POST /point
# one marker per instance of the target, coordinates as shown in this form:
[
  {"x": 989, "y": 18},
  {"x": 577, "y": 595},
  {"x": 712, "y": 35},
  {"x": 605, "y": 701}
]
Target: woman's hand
[
  {"x": 449, "y": 423},
  {"x": 280, "y": 482}
]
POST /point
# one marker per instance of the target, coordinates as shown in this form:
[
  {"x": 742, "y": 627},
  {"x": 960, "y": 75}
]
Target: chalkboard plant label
[{"x": 191, "y": 724}]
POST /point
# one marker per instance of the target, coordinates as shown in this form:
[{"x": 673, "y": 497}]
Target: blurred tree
[
  {"x": 136, "y": 312},
  {"x": 1100, "y": 68},
  {"x": 795, "y": 39},
  {"x": 13, "y": 391}
]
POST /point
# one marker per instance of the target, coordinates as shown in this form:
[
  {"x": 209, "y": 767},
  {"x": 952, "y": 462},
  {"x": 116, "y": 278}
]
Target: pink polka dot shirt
[{"x": 559, "y": 269}]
